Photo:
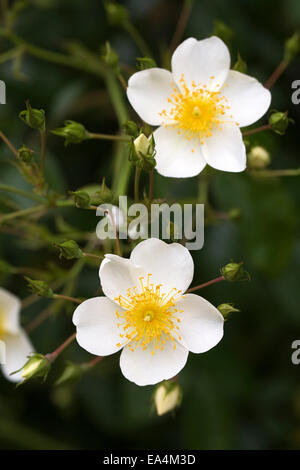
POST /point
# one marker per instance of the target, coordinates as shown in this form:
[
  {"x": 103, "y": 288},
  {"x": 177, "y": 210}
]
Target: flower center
[
  {"x": 149, "y": 316},
  {"x": 196, "y": 112}
]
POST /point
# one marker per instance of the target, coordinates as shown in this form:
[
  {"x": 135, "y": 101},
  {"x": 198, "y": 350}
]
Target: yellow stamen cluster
[
  {"x": 196, "y": 112},
  {"x": 149, "y": 316}
]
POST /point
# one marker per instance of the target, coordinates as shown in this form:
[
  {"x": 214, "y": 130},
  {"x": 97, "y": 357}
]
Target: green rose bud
[
  {"x": 144, "y": 63},
  {"x": 6, "y": 268},
  {"x": 131, "y": 128},
  {"x": 258, "y": 158},
  {"x": 111, "y": 58},
  {"x": 69, "y": 250},
  {"x": 71, "y": 373},
  {"x": 223, "y": 31},
  {"x": 234, "y": 214},
  {"x": 167, "y": 397},
  {"x": 142, "y": 152},
  {"x": 40, "y": 288},
  {"x": 117, "y": 14},
  {"x": 235, "y": 272},
  {"x": 73, "y": 132},
  {"x": 227, "y": 309},
  {"x": 25, "y": 154},
  {"x": 292, "y": 47},
  {"x": 240, "y": 65},
  {"x": 36, "y": 367},
  {"x": 279, "y": 122},
  {"x": 81, "y": 199},
  {"x": 34, "y": 118},
  {"x": 104, "y": 196}
]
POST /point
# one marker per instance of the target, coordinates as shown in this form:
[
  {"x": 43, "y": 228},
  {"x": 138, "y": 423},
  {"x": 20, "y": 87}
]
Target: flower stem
[
  {"x": 91, "y": 255},
  {"x": 137, "y": 183},
  {"x": 9, "y": 144},
  {"x": 209, "y": 283},
  {"x": 43, "y": 151},
  {"x": 122, "y": 138},
  {"x": 181, "y": 24},
  {"x": 276, "y": 74},
  {"x": 93, "y": 362},
  {"x": 266, "y": 127},
  {"x": 32, "y": 196},
  {"x": 138, "y": 39},
  {"x": 275, "y": 173},
  {"x": 67, "y": 297},
  {"x": 52, "y": 356},
  {"x": 151, "y": 178},
  {"x": 21, "y": 213}
]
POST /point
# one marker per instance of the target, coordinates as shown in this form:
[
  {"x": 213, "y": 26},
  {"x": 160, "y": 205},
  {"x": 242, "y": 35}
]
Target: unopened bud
[
  {"x": 234, "y": 214},
  {"x": 227, "y": 309},
  {"x": 81, "y": 199},
  {"x": 279, "y": 122},
  {"x": 235, "y": 272},
  {"x": 73, "y": 132},
  {"x": 240, "y": 65},
  {"x": 144, "y": 63},
  {"x": 131, "y": 128},
  {"x": 258, "y": 157},
  {"x": 167, "y": 397},
  {"x": 71, "y": 373},
  {"x": 223, "y": 31},
  {"x": 36, "y": 367},
  {"x": 103, "y": 196},
  {"x": 142, "y": 152},
  {"x": 34, "y": 118},
  {"x": 6, "y": 268},
  {"x": 111, "y": 58},
  {"x": 292, "y": 47},
  {"x": 25, "y": 154},
  {"x": 117, "y": 14},
  {"x": 69, "y": 250},
  {"x": 40, "y": 288}
]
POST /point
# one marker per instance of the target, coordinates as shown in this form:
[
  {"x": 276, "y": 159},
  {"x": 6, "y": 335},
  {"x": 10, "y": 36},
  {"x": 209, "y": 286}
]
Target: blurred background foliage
[{"x": 245, "y": 393}]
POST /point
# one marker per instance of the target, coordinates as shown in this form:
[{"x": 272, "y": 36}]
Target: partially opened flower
[
  {"x": 200, "y": 107},
  {"x": 146, "y": 314},
  {"x": 17, "y": 346}
]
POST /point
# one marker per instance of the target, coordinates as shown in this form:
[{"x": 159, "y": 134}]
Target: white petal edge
[
  {"x": 143, "y": 368},
  {"x": 200, "y": 60},
  {"x": 117, "y": 275},
  {"x": 225, "y": 149},
  {"x": 177, "y": 156},
  {"x": 148, "y": 92},
  {"x": 169, "y": 264},
  {"x": 18, "y": 348},
  {"x": 96, "y": 326},
  {"x": 201, "y": 326},
  {"x": 248, "y": 99},
  {"x": 10, "y": 307}
]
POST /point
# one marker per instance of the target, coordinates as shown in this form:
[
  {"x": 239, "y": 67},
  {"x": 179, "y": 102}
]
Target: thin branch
[
  {"x": 209, "y": 283},
  {"x": 181, "y": 24}
]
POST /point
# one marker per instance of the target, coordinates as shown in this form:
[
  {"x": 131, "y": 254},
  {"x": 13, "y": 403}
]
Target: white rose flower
[
  {"x": 17, "y": 345},
  {"x": 146, "y": 314},
  {"x": 200, "y": 107}
]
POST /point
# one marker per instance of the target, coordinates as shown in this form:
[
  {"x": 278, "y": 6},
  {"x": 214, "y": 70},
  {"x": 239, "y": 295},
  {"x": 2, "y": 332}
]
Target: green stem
[
  {"x": 275, "y": 173},
  {"x": 32, "y": 196},
  {"x": 209, "y": 283},
  {"x": 181, "y": 24},
  {"x": 266, "y": 127},
  {"x": 21, "y": 213},
  {"x": 67, "y": 297},
  {"x": 43, "y": 151},
  {"x": 138, "y": 39},
  {"x": 121, "y": 138},
  {"x": 137, "y": 183}
]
